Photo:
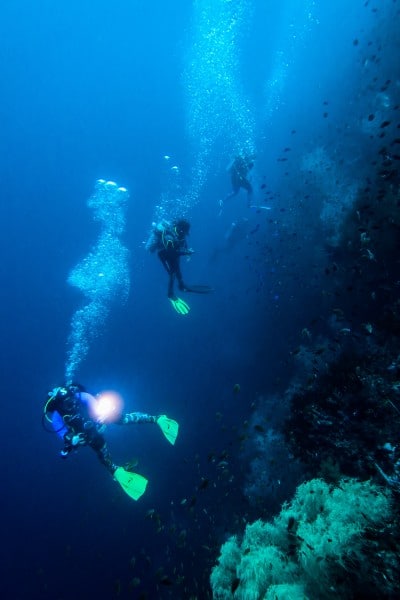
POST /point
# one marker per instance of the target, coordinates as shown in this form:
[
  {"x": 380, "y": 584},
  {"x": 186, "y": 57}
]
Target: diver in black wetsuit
[
  {"x": 72, "y": 413},
  {"x": 169, "y": 240},
  {"x": 239, "y": 170},
  {"x": 79, "y": 419},
  {"x": 173, "y": 245}
]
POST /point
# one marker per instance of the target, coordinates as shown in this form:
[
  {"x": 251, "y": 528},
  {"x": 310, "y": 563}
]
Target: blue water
[{"x": 108, "y": 90}]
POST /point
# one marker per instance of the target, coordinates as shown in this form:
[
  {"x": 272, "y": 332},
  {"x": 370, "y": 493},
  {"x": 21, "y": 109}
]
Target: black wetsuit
[
  {"x": 73, "y": 410},
  {"x": 239, "y": 171},
  {"x": 69, "y": 407},
  {"x": 172, "y": 248}
]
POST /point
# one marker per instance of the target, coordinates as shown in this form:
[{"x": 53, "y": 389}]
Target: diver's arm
[{"x": 186, "y": 252}]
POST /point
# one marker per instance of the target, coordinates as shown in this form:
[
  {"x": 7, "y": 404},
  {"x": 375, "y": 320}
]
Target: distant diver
[
  {"x": 169, "y": 240},
  {"x": 236, "y": 233},
  {"x": 239, "y": 170},
  {"x": 80, "y": 420}
]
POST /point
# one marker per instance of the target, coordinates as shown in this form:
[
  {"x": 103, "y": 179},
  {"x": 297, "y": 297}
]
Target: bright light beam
[{"x": 107, "y": 407}]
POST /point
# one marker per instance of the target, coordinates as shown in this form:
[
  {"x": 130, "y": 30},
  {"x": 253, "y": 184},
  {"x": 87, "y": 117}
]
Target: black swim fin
[{"x": 199, "y": 289}]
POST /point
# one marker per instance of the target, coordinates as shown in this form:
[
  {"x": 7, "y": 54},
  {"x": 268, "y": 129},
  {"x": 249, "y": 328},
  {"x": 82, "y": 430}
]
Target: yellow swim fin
[
  {"x": 169, "y": 427},
  {"x": 132, "y": 483},
  {"x": 180, "y": 306}
]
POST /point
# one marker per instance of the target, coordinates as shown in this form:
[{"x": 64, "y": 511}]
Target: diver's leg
[
  {"x": 106, "y": 460},
  {"x": 249, "y": 188},
  {"x": 171, "y": 281},
  {"x": 179, "y": 277},
  {"x": 162, "y": 255},
  {"x": 104, "y": 457},
  {"x": 137, "y": 417},
  {"x": 99, "y": 445}
]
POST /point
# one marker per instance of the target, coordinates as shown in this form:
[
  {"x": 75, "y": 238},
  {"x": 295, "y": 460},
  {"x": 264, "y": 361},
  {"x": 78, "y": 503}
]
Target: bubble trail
[
  {"x": 218, "y": 110},
  {"x": 102, "y": 276}
]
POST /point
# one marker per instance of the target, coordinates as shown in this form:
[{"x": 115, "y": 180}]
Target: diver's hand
[
  {"x": 78, "y": 440},
  {"x": 189, "y": 253}
]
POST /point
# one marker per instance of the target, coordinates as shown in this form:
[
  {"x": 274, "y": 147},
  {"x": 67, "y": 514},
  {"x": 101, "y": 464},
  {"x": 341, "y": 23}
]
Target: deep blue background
[{"x": 93, "y": 90}]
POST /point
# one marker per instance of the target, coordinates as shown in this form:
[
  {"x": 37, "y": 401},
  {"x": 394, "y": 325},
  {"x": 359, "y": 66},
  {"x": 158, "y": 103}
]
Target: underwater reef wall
[{"x": 319, "y": 546}]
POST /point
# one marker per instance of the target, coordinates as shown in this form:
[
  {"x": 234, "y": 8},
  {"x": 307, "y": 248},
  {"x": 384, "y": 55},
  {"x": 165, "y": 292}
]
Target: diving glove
[
  {"x": 180, "y": 306},
  {"x": 169, "y": 427},
  {"x": 78, "y": 440}
]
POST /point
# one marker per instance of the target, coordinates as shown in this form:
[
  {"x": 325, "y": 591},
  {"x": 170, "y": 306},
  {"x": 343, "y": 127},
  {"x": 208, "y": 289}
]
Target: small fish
[
  {"x": 129, "y": 466},
  {"x": 309, "y": 546},
  {"x": 204, "y": 483},
  {"x": 291, "y": 523},
  {"x": 182, "y": 536},
  {"x": 345, "y": 330},
  {"x": 235, "y": 584},
  {"x": 117, "y": 587},
  {"x": 222, "y": 464},
  {"x": 319, "y": 351},
  {"x": 259, "y": 428},
  {"x": 134, "y": 583}
]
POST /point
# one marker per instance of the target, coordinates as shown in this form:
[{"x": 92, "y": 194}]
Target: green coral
[
  {"x": 222, "y": 578},
  {"x": 317, "y": 546},
  {"x": 286, "y": 591}
]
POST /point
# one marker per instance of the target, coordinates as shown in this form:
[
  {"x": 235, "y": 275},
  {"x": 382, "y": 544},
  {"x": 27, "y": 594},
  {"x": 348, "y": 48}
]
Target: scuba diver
[
  {"x": 237, "y": 231},
  {"x": 80, "y": 420},
  {"x": 239, "y": 169},
  {"x": 169, "y": 240}
]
